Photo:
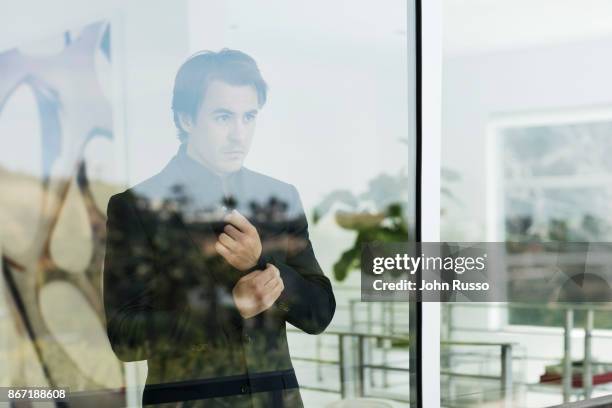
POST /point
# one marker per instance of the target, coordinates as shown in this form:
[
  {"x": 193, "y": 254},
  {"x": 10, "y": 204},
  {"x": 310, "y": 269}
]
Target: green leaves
[{"x": 392, "y": 228}]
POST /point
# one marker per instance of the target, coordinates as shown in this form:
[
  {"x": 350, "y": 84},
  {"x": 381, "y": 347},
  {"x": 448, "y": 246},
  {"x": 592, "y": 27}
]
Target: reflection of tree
[
  {"x": 521, "y": 231},
  {"x": 540, "y": 163},
  {"x": 558, "y": 149},
  {"x": 173, "y": 272},
  {"x": 376, "y": 215},
  {"x": 273, "y": 211}
]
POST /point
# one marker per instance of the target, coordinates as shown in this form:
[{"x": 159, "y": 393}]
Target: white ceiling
[{"x": 479, "y": 26}]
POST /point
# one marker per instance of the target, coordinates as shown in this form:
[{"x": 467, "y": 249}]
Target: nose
[{"x": 238, "y": 130}]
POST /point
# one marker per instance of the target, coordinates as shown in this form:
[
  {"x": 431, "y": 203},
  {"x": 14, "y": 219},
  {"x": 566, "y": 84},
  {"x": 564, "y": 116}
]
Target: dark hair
[{"x": 193, "y": 77}]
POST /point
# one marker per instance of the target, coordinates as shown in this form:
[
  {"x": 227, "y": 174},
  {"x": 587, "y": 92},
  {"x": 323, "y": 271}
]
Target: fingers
[
  {"x": 263, "y": 282},
  {"x": 250, "y": 276},
  {"x": 227, "y": 241},
  {"x": 262, "y": 276},
  {"x": 223, "y": 250},
  {"x": 276, "y": 292},
  {"x": 253, "y": 294},
  {"x": 232, "y": 231},
  {"x": 267, "y": 274},
  {"x": 239, "y": 221},
  {"x": 275, "y": 285},
  {"x": 276, "y": 277},
  {"x": 272, "y": 293}
]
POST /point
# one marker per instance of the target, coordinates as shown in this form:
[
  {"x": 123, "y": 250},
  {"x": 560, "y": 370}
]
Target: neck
[{"x": 193, "y": 154}]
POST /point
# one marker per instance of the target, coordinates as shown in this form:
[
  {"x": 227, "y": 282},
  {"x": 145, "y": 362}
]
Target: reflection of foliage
[
  {"x": 376, "y": 215},
  {"x": 391, "y": 228},
  {"x": 558, "y": 230},
  {"x": 204, "y": 348},
  {"x": 274, "y": 210},
  {"x": 522, "y": 230},
  {"x": 383, "y": 191}
]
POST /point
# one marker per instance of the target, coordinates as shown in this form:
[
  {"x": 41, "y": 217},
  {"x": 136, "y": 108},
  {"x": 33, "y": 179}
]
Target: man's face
[{"x": 221, "y": 134}]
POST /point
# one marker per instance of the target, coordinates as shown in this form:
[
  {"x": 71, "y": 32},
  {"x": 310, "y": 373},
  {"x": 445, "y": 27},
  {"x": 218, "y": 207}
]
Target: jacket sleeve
[
  {"x": 307, "y": 300},
  {"x": 145, "y": 315}
]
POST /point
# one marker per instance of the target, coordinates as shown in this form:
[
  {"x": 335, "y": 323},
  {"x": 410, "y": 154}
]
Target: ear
[{"x": 186, "y": 122}]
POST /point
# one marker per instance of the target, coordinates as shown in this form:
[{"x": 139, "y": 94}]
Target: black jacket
[{"x": 167, "y": 294}]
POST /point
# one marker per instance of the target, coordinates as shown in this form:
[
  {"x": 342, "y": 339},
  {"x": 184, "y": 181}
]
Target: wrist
[{"x": 260, "y": 265}]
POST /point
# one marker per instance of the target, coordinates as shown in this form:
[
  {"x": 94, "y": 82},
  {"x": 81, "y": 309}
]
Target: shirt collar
[{"x": 199, "y": 175}]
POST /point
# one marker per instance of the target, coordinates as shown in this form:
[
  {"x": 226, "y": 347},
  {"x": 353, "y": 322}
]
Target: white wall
[
  {"x": 482, "y": 26},
  {"x": 476, "y": 87}
]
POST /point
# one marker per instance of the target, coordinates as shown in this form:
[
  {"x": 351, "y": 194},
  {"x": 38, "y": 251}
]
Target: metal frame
[{"x": 424, "y": 318}]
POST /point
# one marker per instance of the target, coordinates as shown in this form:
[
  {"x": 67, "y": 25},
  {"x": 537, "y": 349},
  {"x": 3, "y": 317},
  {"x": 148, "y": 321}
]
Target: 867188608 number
[{"x": 35, "y": 393}]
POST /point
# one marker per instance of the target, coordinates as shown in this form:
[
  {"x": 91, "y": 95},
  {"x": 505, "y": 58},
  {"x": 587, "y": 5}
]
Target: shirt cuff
[{"x": 262, "y": 263}]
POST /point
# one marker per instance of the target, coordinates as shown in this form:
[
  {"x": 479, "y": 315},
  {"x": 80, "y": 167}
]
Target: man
[{"x": 207, "y": 260}]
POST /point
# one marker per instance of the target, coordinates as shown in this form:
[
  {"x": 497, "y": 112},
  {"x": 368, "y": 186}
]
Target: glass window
[
  {"x": 186, "y": 187},
  {"x": 525, "y": 136}
]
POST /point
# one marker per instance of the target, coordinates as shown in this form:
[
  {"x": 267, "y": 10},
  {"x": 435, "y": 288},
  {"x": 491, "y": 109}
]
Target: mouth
[{"x": 233, "y": 155}]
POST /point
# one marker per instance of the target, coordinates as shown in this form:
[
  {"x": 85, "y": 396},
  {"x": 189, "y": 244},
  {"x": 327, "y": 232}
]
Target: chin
[{"x": 230, "y": 168}]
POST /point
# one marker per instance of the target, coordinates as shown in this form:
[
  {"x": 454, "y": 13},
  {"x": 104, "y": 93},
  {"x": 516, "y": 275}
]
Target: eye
[
  {"x": 222, "y": 118},
  {"x": 249, "y": 117}
]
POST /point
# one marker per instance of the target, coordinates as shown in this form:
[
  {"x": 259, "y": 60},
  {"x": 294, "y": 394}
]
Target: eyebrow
[
  {"x": 229, "y": 112},
  {"x": 222, "y": 110}
]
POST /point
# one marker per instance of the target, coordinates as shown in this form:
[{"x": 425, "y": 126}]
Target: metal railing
[
  {"x": 601, "y": 402},
  {"x": 568, "y": 327},
  {"x": 362, "y": 363},
  {"x": 356, "y": 376}
]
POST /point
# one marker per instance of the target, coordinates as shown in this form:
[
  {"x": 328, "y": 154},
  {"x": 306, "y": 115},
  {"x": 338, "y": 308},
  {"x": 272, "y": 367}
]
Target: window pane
[
  {"x": 526, "y": 131},
  {"x": 186, "y": 188}
]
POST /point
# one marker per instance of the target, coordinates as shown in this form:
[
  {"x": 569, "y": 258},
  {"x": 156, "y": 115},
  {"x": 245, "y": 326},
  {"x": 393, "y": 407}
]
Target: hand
[
  {"x": 239, "y": 244},
  {"x": 257, "y": 291}
]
